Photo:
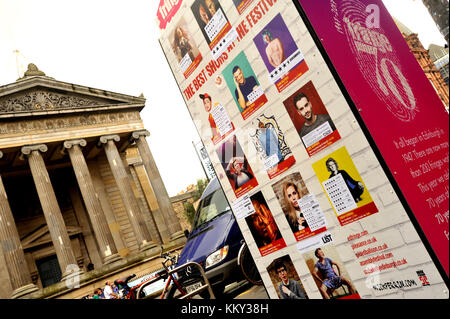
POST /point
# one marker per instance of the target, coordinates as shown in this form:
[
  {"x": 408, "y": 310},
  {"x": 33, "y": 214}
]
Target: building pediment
[
  {"x": 41, "y": 236},
  {"x": 40, "y": 93}
]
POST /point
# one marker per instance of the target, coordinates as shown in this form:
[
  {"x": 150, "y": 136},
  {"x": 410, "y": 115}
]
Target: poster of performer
[
  {"x": 218, "y": 119},
  {"x": 263, "y": 227},
  {"x": 236, "y": 166},
  {"x": 285, "y": 279},
  {"x": 185, "y": 48},
  {"x": 344, "y": 187},
  {"x": 214, "y": 24},
  {"x": 302, "y": 211},
  {"x": 244, "y": 86},
  {"x": 311, "y": 119},
  {"x": 281, "y": 55},
  {"x": 330, "y": 273},
  {"x": 242, "y": 5},
  {"x": 270, "y": 145}
]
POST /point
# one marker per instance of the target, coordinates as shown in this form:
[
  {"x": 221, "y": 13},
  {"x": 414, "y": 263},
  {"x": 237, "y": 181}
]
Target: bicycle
[{"x": 174, "y": 288}]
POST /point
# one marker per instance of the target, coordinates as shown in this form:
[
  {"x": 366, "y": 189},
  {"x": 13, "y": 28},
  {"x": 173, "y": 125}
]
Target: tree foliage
[{"x": 189, "y": 210}]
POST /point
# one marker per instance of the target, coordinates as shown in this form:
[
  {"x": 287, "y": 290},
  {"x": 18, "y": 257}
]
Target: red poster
[{"x": 263, "y": 227}]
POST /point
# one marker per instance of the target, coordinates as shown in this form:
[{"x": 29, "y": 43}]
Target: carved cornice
[
  {"x": 71, "y": 143},
  {"x": 28, "y": 149},
  {"x": 106, "y": 138},
  {"x": 37, "y": 125}
]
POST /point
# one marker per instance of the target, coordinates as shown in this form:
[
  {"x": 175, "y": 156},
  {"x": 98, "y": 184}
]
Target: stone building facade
[
  {"x": 428, "y": 66},
  {"x": 80, "y": 193},
  {"x": 439, "y": 11},
  {"x": 178, "y": 203},
  {"x": 423, "y": 57},
  {"x": 440, "y": 57}
]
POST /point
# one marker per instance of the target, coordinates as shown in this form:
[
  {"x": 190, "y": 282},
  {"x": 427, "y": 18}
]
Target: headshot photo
[
  {"x": 314, "y": 125},
  {"x": 204, "y": 11},
  {"x": 285, "y": 279},
  {"x": 244, "y": 86},
  {"x": 288, "y": 191}
]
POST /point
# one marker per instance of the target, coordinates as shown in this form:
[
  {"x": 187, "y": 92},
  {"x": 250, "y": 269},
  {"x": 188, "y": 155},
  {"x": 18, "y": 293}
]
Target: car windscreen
[{"x": 211, "y": 207}]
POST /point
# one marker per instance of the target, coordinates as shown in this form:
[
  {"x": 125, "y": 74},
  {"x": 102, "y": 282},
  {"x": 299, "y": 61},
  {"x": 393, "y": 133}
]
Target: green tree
[{"x": 189, "y": 210}]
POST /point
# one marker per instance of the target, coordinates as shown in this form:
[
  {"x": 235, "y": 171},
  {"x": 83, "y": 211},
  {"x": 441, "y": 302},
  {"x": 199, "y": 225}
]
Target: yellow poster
[{"x": 344, "y": 187}]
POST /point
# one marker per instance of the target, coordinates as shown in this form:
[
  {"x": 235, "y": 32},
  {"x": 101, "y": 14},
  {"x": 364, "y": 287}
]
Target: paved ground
[
  {"x": 255, "y": 292},
  {"x": 245, "y": 290}
]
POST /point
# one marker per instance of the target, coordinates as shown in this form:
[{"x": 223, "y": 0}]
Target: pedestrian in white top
[{"x": 108, "y": 291}]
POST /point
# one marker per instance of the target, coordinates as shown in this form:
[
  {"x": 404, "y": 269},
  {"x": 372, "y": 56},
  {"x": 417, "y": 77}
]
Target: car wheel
[{"x": 248, "y": 267}]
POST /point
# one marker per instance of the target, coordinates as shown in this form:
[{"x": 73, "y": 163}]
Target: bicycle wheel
[
  {"x": 248, "y": 267},
  {"x": 174, "y": 290}
]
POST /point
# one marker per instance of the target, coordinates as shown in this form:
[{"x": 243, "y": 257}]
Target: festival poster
[
  {"x": 242, "y": 5},
  {"x": 281, "y": 55},
  {"x": 344, "y": 187},
  {"x": 263, "y": 227},
  {"x": 330, "y": 274},
  {"x": 218, "y": 119},
  {"x": 301, "y": 209},
  {"x": 214, "y": 24},
  {"x": 244, "y": 86},
  {"x": 185, "y": 48},
  {"x": 236, "y": 166},
  {"x": 285, "y": 279},
  {"x": 311, "y": 119},
  {"x": 270, "y": 144}
]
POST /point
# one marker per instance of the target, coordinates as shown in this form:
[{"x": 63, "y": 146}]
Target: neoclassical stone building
[
  {"x": 80, "y": 193},
  {"x": 423, "y": 57}
]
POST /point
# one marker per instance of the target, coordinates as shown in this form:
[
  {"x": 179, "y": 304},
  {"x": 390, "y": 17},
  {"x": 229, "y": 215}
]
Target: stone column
[
  {"x": 52, "y": 212},
  {"x": 137, "y": 221},
  {"x": 12, "y": 249},
  {"x": 102, "y": 233},
  {"x": 154, "y": 229},
  {"x": 158, "y": 185}
]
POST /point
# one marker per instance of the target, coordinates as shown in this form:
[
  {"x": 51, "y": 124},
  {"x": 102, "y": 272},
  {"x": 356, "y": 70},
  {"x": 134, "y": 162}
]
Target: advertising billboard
[
  {"x": 314, "y": 202},
  {"x": 397, "y": 102}
]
